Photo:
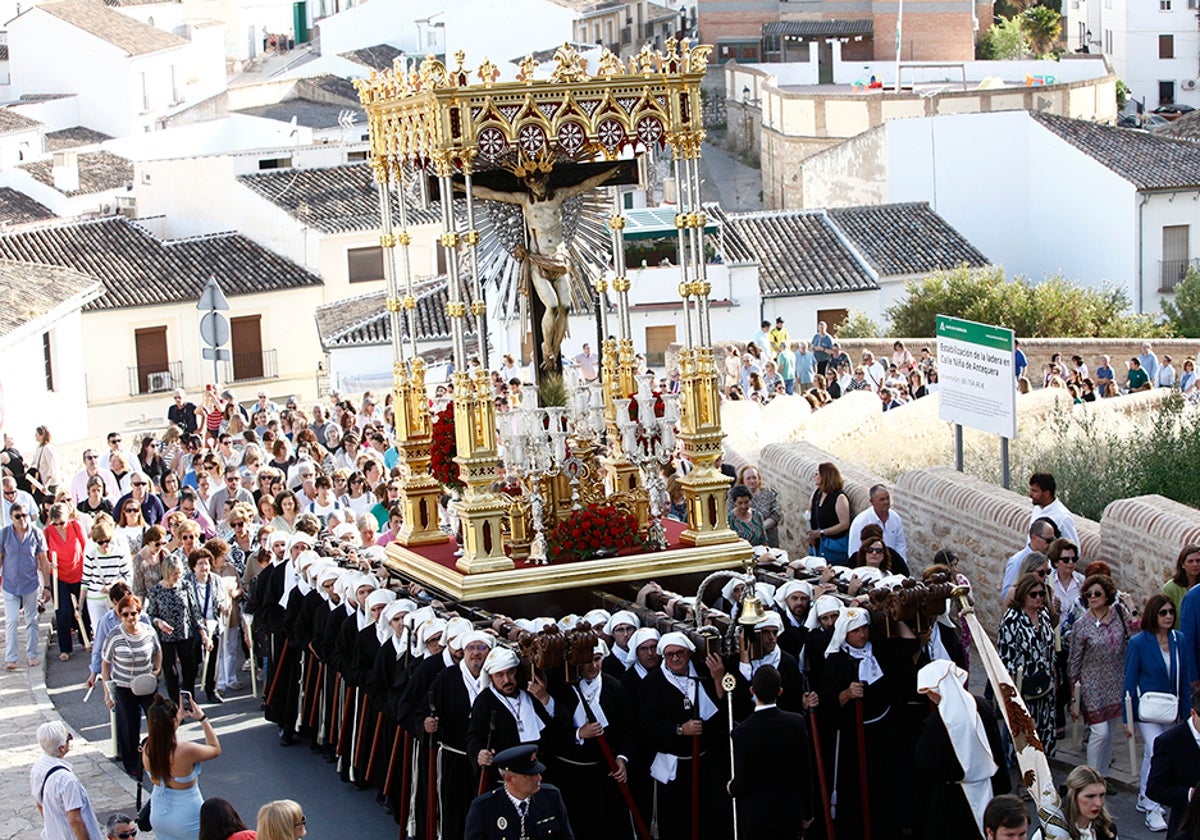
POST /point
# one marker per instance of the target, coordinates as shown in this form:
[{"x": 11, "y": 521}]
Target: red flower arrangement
[
  {"x": 592, "y": 531},
  {"x": 443, "y": 449}
]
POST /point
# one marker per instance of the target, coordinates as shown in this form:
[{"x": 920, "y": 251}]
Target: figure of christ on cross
[{"x": 546, "y": 260}]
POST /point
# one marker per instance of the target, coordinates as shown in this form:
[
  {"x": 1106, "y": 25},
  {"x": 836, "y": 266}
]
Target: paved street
[{"x": 253, "y": 768}]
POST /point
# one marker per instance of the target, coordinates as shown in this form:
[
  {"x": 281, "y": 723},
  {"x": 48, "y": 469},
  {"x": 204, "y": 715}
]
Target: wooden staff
[
  {"x": 248, "y": 630},
  {"x": 331, "y": 729},
  {"x": 1075, "y": 725},
  {"x": 54, "y": 576},
  {"x": 390, "y": 774},
  {"x": 374, "y": 745},
  {"x": 311, "y": 717},
  {"x": 431, "y": 795},
  {"x": 83, "y": 637},
  {"x": 862, "y": 768},
  {"x": 362, "y": 718},
  {"x": 483, "y": 771},
  {"x": 822, "y": 779},
  {"x": 611, "y": 760},
  {"x": 278, "y": 670},
  {"x": 347, "y": 713}
]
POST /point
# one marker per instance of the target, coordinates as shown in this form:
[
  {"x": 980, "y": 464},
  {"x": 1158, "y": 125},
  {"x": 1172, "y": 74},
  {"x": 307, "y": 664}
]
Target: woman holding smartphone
[{"x": 174, "y": 767}]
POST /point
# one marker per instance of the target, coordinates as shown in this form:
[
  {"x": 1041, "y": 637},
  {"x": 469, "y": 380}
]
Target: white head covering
[
  {"x": 473, "y": 636},
  {"x": 621, "y": 617},
  {"x": 299, "y": 538},
  {"x": 675, "y": 639},
  {"x": 643, "y": 635},
  {"x": 408, "y": 603},
  {"x": 824, "y": 605},
  {"x": 346, "y": 529},
  {"x": 327, "y": 574},
  {"x": 770, "y": 619},
  {"x": 428, "y": 630},
  {"x": 782, "y": 593},
  {"x": 601, "y": 648},
  {"x": 380, "y": 597},
  {"x": 306, "y": 559},
  {"x": 500, "y": 659},
  {"x": 533, "y": 625},
  {"x": 851, "y": 618},
  {"x": 456, "y": 628},
  {"x": 567, "y": 622},
  {"x": 730, "y": 585},
  {"x": 391, "y": 611},
  {"x": 279, "y": 537},
  {"x": 965, "y": 728},
  {"x": 598, "y": 618}
]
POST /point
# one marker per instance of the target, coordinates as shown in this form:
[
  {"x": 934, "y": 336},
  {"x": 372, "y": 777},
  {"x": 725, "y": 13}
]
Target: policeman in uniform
[{"x": 524, "y": 808}]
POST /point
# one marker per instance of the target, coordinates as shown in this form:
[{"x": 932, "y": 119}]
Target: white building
[
  {"x": 1153, "y": 45},
  {"x": 128, "y": 75},
  {"x": 1094, "y": 202},
  {"x": 41, "y": 342}
]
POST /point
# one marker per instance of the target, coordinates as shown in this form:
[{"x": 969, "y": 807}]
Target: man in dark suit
[
  {"x": 524, "y": 807},
  {"x": 761, "y": 778},
  {"x": 1175, "y": 766}
]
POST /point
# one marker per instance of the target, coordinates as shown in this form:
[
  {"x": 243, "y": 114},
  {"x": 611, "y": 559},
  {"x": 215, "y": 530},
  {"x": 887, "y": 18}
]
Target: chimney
[{"x": 65, "y": 171}]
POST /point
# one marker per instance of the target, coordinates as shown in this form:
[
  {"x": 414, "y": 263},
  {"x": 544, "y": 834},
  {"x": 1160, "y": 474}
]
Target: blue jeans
[{"x": 13, "y": 604}]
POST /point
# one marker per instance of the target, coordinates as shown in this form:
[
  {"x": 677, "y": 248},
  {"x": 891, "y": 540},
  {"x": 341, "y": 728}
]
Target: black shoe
[
  {"x": 214, "y": 697},
  {"x": 286, "y": 738}
]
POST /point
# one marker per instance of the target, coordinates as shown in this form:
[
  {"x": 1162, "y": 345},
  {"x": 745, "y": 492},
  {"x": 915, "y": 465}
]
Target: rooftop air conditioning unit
[
  {"x": 160, "y": 381},
  {"x": 1188, "y": 84}
]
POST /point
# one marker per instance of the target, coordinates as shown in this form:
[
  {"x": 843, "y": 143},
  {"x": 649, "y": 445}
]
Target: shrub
[
  {"x": 1184, "y": 313},
  {"x": 1004, "y": 40},
  {"x": 858, "y": 325},
  {"x": 1055, "y": 307}
]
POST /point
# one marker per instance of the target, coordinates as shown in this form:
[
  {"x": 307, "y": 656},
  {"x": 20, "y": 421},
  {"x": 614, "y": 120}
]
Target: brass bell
[{"x": 752, "y": 609}]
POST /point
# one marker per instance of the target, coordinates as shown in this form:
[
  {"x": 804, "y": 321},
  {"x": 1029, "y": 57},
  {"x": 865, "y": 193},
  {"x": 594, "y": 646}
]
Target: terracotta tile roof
[
  {"x": 1186, "y": 127},
  {"x": 334, "y": 200},
  {"x": 16, "y": 208},
  {"x": 69, "y": 138},
  {"x": 29, "y": 290},
  {"x": 800, "y": 253},
  {"x": 1144, "y": 159},
  {"x": 11, "y": 121},
  {"x": 899, "y": 239},
  {"x": 141, "y": 270},
  {"x": 363, "y": 321},
  {"x": 377, "y": 57},
  {"x": 98, "y": 171},
  {"x": 122, "y": 31}
]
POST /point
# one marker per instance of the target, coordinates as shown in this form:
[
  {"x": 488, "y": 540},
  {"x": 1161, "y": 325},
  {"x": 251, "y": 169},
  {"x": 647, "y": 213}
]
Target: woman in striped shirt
[
  {"x": 130, "y": 650},
  {"x": 105, "y": 561}
]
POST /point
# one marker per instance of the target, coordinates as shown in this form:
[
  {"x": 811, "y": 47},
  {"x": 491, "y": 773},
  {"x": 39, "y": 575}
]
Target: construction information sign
[{"x": 975, "y": 374}]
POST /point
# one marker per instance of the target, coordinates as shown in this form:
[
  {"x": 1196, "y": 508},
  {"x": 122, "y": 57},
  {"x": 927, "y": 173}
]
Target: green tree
[
  {"x": 858, "y": 325},
  {"x": 1122, "y": 95},
  {"x": 1054, "y": 307},
  {"x": 1184, "y": 313},
  {"x": 1005, "y": 40},
  {"x": 1042, "y": 26}
]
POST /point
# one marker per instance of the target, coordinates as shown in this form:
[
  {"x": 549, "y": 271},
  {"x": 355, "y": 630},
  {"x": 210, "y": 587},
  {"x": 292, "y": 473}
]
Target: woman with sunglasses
[
  {"x": 131, "y": 525},
  {"x": 1065, "y": 585},
  {"x": 105, "y": 561},
  {"x": 1026, "y": 646},
  {"x": 175, "y": 615},
  {"x": 147, "y": 563},
  {"x": 131, "y": 650},
  {"x": 357, "y": 496},
  {"x": 1187, "y": 575},
  {"x": 1097, "y": 663},
  {"x": 1155, "y": 661},
  {"x": 65, "y": 545}
]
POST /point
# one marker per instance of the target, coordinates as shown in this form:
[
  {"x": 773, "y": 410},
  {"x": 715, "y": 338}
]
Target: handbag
[
  {"x": 1160, "y": 706},
  {"x": 1037, "y": 685}
]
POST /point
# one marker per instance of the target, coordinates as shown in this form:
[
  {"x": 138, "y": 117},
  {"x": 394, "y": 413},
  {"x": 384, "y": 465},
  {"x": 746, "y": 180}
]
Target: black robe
[
  {"x": 482, "y": 735},
  {"x": 947, "y": 813},
  {"x": 642, "y": 754},
  {"x": 663, "y": 708},
  {"x": 457, "y": 779},
  {"x": 415, "y": 708},
  {"x": 581, "y": 771}
]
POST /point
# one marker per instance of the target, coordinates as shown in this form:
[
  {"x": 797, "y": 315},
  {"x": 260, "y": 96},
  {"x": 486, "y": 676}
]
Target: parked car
[
  {"x": 1173, "y": 111},
  {"x": 1144, "y": 122}
]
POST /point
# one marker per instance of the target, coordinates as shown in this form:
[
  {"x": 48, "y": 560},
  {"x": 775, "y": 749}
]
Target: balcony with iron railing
[
  {"x": 244, "y": 366},
  {"x": 1170, "y": 272},
  {"x": 155, "y": 378}
]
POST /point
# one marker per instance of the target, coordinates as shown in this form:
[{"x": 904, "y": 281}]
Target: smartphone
[{"x": 188, "y": 703}]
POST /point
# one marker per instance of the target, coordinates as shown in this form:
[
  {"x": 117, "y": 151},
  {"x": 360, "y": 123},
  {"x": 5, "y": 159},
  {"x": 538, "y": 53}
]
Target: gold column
[
  {"x": 414, "y": 434},
  {"x": 700, "y": 431}
]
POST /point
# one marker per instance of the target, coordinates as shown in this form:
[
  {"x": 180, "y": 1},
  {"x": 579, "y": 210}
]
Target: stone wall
[{"x": 1142, "y": 537}]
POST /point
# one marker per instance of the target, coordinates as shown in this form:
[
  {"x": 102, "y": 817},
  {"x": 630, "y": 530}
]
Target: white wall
[
  {"x": 20, "y": 147},
  {"x": 800, "y": 313},
  {"x": 61, "y": 205},
  {"x": 1046, "y": 208},
  {"x": 1135, "y": 28},
  {"x": 287, "y": 327},
  {"x": 23, "y": 396},
  {"x": 1160, "y": 210}
]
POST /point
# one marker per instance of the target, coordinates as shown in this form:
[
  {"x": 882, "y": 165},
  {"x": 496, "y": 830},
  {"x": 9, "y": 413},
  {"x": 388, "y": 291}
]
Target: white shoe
[
  {"x": 1143, "y": 804},
  {"x": 1155, "y": 821}
]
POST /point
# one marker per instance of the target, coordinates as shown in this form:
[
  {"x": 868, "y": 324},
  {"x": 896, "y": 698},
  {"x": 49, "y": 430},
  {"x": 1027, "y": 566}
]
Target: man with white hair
[
  {"x": 448, "y": 703},
  {"x": 59, "y": 795},
  {"x": 182, "y": 413},
  {"x": 594, "y": 706},
  {"x": 506, "y": 715},
  {"x": 880, "y": 513},
  {"x": 679, "y": 711}
]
